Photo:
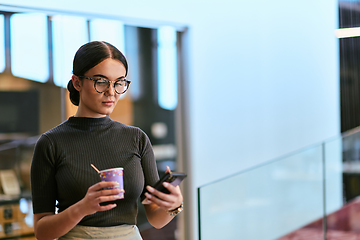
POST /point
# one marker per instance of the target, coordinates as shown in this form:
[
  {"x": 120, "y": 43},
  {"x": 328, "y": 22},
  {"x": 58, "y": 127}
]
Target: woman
[{"x": 61, "y": 168}]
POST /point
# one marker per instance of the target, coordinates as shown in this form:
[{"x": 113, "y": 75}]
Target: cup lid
[{"x": 111, "y": 169}]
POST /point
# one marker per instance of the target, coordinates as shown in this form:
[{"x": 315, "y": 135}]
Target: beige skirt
[{"x": 122, "y": 232}]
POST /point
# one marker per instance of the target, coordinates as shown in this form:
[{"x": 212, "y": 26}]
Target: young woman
[{"x": 61, "y": 172}]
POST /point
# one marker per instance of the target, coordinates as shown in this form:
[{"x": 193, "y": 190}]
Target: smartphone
[{"x": 174, "y": 178}]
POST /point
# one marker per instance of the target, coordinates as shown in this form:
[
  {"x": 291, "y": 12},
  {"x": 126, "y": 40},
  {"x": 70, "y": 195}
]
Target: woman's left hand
[{"x": 163, "y": 200}]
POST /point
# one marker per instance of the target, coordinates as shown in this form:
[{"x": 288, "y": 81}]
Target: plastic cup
[{"x": 114, "y": 175}]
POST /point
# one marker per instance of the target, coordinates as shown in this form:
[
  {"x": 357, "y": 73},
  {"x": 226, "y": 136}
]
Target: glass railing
[{"x": 305, "y": 195}]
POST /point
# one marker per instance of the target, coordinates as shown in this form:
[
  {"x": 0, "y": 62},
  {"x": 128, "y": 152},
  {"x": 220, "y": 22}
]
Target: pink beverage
[{"x": 114, "y": 175}]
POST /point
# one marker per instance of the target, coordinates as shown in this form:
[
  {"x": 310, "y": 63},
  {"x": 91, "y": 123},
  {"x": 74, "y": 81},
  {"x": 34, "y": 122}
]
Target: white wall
[{"x": 263, "y": 75}]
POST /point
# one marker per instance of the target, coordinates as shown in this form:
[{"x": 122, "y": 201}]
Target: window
[
  {"x": 167, "y": 68},
  {"x": 68, "y": 33},
  {"x": 110, "y": 31},
  {"x": 29, "y": 46},
  {"x": 2, "y": 44}
]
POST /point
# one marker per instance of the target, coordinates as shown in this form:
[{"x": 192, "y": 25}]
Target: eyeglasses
[{"x": 102, "y": 85}]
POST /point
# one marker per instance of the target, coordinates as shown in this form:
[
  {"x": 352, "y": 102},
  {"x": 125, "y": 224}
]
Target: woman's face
[{"x": 94, "y": 104}]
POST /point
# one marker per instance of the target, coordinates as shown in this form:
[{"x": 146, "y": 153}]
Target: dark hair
[{"x": 88, "y": 56}]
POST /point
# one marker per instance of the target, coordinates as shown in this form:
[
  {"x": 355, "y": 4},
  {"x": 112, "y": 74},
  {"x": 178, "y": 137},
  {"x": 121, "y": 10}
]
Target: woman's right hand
[
  {"x": 96, "y": 194},
  {"x": 50, "y": 226}
]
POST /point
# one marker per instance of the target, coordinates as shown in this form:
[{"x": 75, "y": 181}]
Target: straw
[
  {"x": 168, "y": 168},
  {"x": 95, "y": 168}
]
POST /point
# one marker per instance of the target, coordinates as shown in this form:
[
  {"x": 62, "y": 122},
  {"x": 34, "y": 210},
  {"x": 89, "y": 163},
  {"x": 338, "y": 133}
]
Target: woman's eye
[
  {"x": 102, "y": 81},
  {"x": 120, "y": 83}
]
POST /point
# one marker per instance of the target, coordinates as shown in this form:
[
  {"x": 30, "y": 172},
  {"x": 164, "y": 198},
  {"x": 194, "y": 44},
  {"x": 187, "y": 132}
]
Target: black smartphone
[{"x": 174, "y": 178}]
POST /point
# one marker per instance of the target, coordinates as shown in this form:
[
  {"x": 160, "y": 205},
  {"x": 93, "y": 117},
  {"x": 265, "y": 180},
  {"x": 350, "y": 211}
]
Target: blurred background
[{"x": 240, "y": 95}]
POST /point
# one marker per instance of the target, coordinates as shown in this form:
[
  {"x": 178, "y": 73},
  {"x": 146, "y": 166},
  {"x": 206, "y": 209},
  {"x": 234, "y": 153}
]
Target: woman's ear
[{"x": 76, "y": 82}]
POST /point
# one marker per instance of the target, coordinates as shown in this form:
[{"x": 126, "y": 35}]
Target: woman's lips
[{"x": 108, "y": 103}]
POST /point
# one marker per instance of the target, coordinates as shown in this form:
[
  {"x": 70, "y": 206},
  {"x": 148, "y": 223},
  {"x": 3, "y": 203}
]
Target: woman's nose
[{"x": 111, "y": 90}]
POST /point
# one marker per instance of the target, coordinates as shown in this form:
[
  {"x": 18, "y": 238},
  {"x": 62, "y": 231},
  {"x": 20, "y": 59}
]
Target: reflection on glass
[
  {"x": 29, "y": 46},
  {"x": 110, "y": 31},
  {"x": 167, "y": 67},
  {"x": 333, "y": 151},
  {"x": 277, "y": 198},
  {"x": 2, "y": 44},
  {"x": 68, "y": 33},
  {"x": 288, "y": 198}
]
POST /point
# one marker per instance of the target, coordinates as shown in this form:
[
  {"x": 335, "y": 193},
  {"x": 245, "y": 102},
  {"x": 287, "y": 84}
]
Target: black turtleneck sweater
[{"x": 61, "y": 168}]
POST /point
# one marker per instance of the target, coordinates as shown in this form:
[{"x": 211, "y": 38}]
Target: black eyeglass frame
[{"x": 97, "y": 79}]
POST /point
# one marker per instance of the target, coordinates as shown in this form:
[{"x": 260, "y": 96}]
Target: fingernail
[
  {"x": 166, "y": 184},
  {"x": 150, "y": 189}
]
